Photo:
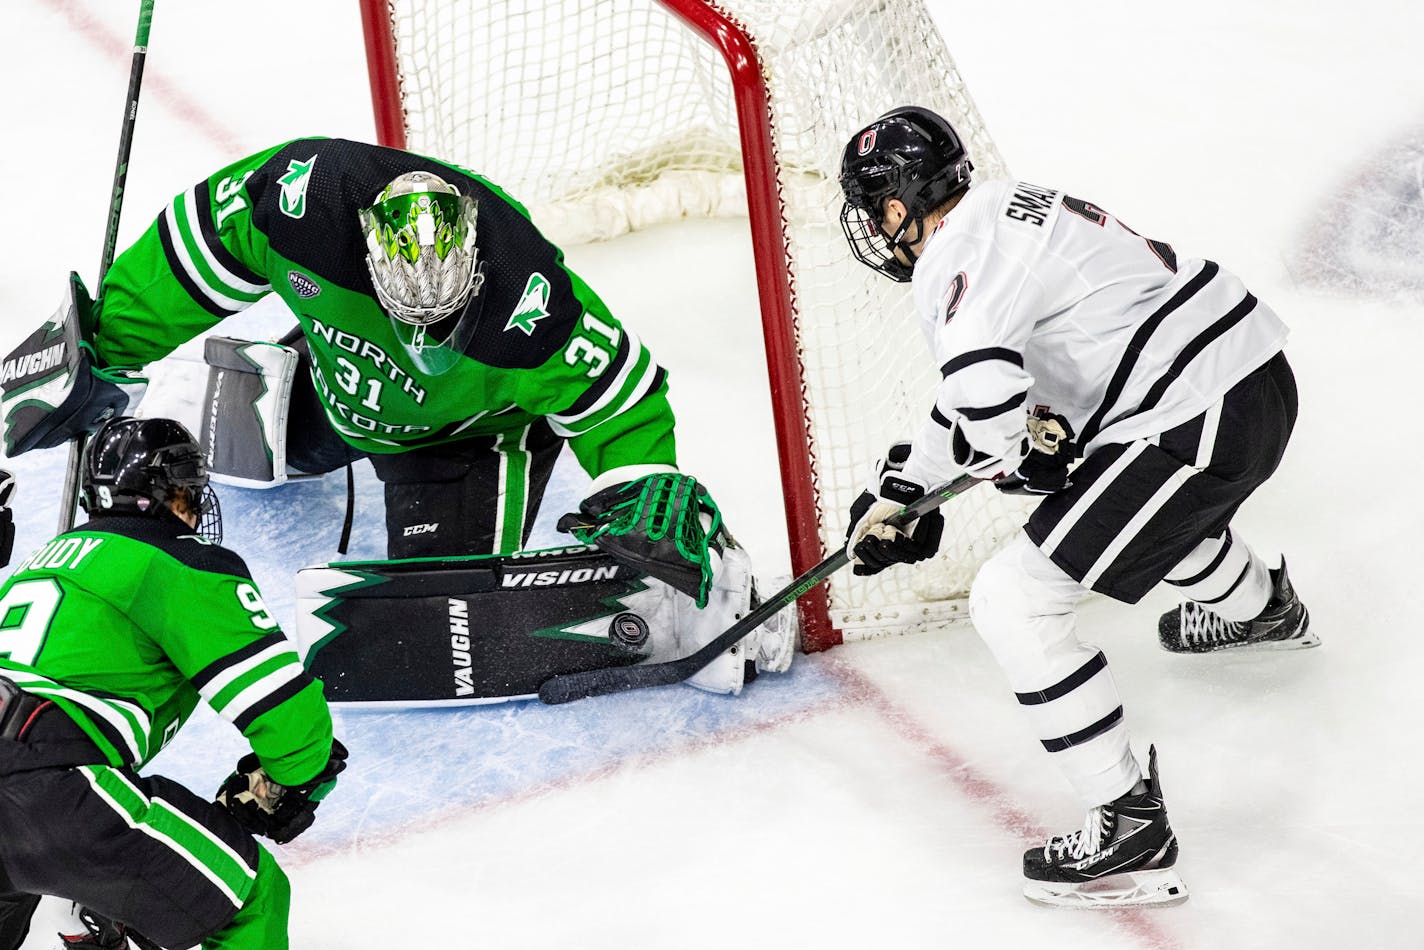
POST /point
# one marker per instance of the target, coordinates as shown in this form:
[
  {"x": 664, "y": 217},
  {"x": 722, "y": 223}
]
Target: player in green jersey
[
  {"x": 442, "y": 334},
  {"x": 110, "y": 635}
]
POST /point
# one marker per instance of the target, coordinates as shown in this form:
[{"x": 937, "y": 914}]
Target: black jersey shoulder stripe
[
  {"x": 210, "y": 672},
  {"x": 172, "y": 537},
  {"x": 1066, "y": 685},
  {"x": 1063, "y": 743},
  {"x": 1190, "y": 352},
  {"x": 941, "y": 419},
  {"x": 1138, "y": 342},
  {"x": 981, "y": 356},
  {"x": 180, "y": 273},
  {"x": 601, "y": 385},
  {"x": 980, "y": 413},
  {"x": 203, "y": 209},
  {"x": 272, "y": 700}
]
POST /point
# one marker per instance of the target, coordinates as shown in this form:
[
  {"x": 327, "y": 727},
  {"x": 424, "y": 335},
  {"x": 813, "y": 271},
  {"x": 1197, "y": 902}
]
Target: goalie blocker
[{"x": 486, "y": 629}]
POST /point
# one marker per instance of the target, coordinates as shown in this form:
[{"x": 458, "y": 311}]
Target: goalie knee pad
[{"x": 244, "y": 422}]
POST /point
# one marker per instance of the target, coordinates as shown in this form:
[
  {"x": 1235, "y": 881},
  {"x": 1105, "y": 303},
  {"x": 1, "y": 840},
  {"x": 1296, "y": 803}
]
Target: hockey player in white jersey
[{"x": 1143, "y": 396}]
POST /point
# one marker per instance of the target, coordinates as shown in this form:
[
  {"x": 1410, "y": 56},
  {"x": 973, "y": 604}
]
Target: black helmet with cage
[
  {"x": 147, "y": 466},
  {"x": 910, "y": 154}
]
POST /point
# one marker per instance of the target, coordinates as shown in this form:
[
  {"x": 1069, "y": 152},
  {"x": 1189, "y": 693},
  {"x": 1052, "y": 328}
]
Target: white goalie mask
[{"x": 420, "y": 249}]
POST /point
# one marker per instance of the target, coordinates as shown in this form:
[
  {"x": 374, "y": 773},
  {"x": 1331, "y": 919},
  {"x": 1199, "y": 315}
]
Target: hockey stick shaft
[
  {"x": 568, "y": 687},
  {"x": 69, "y": 494}
]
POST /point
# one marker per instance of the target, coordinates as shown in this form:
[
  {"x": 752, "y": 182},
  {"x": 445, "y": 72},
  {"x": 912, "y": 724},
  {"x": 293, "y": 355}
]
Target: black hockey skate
[
  {"x": 1122, "y": 856},
  {"x": 104, "y": 934},
  {"x": 1284, "y": 624}
]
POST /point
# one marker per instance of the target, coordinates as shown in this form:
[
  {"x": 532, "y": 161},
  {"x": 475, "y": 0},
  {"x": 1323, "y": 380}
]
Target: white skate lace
[
  {"x": 1086, "y": 840},
  {"x": 1200, "y": 625}
]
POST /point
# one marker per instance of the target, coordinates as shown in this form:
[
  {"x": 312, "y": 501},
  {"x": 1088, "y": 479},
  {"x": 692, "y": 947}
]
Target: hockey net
[{"x": 604, "y": 116}]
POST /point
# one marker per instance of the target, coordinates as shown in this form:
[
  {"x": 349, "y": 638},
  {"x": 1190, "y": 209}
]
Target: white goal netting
[{"x": 610, "y": 115}]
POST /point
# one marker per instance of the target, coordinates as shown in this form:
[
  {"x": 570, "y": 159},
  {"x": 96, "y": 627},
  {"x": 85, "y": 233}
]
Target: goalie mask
[
  {"x": 147, "y": 467},
  {"x": 910, "y": 154},
  {"x": 420, "y": 250}
]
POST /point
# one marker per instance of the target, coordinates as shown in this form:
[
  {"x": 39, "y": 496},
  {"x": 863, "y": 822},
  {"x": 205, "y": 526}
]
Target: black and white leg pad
[
  {"x": 485, "y": 629},
  {"x": 244, "y": 422}
]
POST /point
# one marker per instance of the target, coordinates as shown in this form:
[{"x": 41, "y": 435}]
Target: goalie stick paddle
[
  {"x": 568, "y": 687},
  {"x": 69, "y": 495}
]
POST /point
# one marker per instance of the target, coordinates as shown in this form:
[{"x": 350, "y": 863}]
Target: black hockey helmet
[
  {"x": 141, "y": 466},
  {"x": 911, "y": 154}
]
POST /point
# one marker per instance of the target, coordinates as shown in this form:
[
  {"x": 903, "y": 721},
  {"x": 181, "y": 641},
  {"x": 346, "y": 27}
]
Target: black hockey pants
[
  {"x": 144, "y": 851},
  {"x": 475, "y": 496}
]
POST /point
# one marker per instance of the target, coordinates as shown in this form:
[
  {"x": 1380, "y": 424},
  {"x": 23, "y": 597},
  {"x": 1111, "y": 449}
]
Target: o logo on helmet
[{"x": 867, "y": 142}]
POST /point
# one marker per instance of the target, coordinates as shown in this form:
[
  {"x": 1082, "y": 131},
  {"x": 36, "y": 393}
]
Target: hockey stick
[
  {"x": 567, "y": 687},
  {"x": 70, "y": 489}
]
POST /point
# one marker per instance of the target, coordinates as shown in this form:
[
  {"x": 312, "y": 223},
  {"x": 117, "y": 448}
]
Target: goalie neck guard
[
  {"x": 145, "y": 466},
  {"x": 912, "y": 155}
]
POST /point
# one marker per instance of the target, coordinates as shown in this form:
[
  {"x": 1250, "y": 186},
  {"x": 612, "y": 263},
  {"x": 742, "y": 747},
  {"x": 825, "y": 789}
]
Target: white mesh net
[{"x": 609, "y": 115}]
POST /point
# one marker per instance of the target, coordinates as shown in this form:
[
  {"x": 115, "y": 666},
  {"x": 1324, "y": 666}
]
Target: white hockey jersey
[{"x": 1036, "y": 303}]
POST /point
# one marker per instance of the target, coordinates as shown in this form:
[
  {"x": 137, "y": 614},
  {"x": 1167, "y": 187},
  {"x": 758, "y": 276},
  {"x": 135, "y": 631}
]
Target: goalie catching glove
[
  {"x": 874, "y": 545},
  {"x": 664, "y": 524},
  {"x": 278, "y": 812},
  {"x": 52, "y": 388}
]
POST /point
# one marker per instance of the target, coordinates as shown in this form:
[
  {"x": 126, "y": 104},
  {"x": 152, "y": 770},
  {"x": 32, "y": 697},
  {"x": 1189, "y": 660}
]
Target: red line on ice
[
  {"x": 120, "y": 51},
  {"x": 983, "y": 791}
]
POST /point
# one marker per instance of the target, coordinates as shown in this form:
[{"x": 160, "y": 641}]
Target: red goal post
[{"x": 744, "y": 106}]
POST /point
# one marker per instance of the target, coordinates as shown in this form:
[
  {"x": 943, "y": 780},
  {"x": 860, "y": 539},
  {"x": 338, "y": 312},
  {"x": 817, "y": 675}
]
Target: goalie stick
[
  {"x": 571, "y": 686},
  {"x": 70, "y": 489}
]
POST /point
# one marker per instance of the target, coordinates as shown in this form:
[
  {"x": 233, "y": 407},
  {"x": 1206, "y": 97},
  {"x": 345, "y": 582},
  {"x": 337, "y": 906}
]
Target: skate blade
[{"x": 1162, "y": 887}]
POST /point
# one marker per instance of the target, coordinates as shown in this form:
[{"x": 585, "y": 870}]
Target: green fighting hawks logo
[
  {"x": 293, "y": 201},
  {"x": 533, "y": 305}
]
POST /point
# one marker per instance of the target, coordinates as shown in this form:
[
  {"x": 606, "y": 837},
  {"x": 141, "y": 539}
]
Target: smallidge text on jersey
[{"x": 1030, "y": 203}]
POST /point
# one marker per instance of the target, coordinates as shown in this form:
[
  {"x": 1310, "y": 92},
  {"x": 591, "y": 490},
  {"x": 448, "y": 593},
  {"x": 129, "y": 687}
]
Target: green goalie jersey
[
  {"x": 286, "y": 221},
  {"x": 126, "y": 622}
]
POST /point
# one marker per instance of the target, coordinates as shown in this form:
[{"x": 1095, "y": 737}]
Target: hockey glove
[
  {"x": 279, "y": 812},
  {"x": 52, "y": 389},
  {"x": 664, "y": 525},
  {"x": 874, "y": 545},
  {"x": 1038, "y": 474},
  {"x": 7, "y": 517}
]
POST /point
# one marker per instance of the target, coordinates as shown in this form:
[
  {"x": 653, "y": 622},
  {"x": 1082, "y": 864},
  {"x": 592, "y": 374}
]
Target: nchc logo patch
[{"x": 305, "y": 287}]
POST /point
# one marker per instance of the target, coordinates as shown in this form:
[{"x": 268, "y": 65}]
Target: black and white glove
[
  {"x": 1038, "y": 474},
  {"x": 7, "y": 517},
  {"x": 279, "y": 812},
  {"x": 874, "y": 545},
  {"x": 53, "y": 389}
]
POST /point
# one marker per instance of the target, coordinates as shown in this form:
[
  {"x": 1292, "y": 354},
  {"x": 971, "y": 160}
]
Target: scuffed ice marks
[{"x": 1369, "y": 237}]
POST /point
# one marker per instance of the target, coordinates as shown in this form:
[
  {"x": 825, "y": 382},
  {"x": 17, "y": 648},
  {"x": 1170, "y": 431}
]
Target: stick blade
[{"x": 568, "y": 687}]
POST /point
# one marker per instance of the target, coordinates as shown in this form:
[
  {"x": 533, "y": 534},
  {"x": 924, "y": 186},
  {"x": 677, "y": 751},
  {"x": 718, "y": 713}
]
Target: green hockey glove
[{"x": 664, "y": 525}]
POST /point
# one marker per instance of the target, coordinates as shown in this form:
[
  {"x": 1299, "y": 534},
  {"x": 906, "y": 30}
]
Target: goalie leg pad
[
  {"x": 244, "y": 429},
  {"x": 769, "y": 648},
  {"x": 467, "y": 630}
]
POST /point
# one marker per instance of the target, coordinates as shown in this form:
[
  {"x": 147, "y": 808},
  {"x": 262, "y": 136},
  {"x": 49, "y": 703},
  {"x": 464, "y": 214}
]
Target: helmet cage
[
  {"x": 921, "y": 163},
  {"x": 420, "y": 248}
]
